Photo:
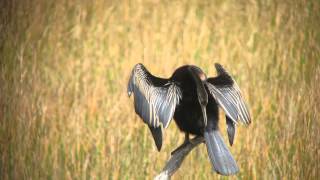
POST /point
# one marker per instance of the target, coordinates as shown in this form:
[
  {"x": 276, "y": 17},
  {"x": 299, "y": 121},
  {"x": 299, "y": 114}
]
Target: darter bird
[{"x": 192, "y": 100}]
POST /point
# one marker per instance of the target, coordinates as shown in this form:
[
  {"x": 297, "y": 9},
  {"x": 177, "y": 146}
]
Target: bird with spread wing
[{"x": 193, "y": 101}]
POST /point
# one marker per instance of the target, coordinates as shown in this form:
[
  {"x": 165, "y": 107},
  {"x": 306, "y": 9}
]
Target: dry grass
[{"x": 65, "y": 64}]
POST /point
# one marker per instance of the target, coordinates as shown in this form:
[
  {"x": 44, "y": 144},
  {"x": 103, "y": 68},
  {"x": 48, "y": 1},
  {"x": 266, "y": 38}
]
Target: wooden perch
[{"x": 177, "y": 158}]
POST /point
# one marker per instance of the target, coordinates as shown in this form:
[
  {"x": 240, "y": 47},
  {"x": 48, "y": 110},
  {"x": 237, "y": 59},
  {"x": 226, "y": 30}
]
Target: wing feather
[
  {"x": 228, "y": 95},
  {"x": 155, "y": 99}
]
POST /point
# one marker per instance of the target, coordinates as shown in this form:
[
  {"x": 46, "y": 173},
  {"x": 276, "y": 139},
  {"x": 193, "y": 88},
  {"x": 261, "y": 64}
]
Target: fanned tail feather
[{"x": 220, "y": 157}]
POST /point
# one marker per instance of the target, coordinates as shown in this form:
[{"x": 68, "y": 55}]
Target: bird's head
[{"x": 198, "y": 72}]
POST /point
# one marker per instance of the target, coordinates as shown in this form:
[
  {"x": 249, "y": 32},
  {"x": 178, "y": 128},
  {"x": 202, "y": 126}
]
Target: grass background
[{"x": 64, "y": 67}]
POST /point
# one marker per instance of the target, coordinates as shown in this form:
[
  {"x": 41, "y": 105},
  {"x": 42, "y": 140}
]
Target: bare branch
[{"x": 177, "y": 158}]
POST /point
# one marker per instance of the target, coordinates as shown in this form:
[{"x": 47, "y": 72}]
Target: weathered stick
[{"x": 177, "y": 158}]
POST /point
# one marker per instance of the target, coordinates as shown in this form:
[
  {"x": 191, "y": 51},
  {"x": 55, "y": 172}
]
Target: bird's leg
[
  {"x": 186, "y": 138},
  {"x": 186, "y": 141}
]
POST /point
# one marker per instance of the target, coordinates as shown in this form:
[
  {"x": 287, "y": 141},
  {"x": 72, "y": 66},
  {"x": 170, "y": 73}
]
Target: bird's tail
[{"x": 220, "y": 157}]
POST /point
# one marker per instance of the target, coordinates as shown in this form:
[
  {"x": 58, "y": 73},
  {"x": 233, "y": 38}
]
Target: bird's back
[{"x": 188, "y": 115}]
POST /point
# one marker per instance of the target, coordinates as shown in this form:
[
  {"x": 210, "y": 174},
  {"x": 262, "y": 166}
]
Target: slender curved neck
[{"x": 201, "y": 91}]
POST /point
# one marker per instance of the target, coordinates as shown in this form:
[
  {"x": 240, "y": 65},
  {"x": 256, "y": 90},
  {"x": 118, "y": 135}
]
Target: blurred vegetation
[{"x": 64, "y": 67}]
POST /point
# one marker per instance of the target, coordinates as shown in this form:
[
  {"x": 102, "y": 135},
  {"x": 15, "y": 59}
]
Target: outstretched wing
[
  {"x": 155, "y": 100},
  {"x": 228, "y": 95}
]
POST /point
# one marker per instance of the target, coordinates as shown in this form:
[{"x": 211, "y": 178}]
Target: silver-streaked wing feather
[
  {"x": 155, "y": 99},
  {"x": 228, "y": 95}
]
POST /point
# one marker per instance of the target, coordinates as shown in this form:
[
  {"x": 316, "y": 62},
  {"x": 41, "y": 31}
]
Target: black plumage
[{"x": 192, "y": 100}]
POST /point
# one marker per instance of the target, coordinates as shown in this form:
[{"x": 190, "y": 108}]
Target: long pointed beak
[{"x": 204, "y": 113}]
